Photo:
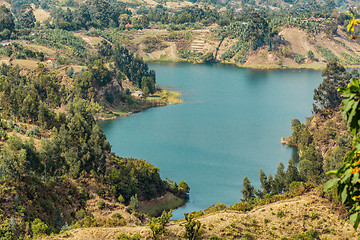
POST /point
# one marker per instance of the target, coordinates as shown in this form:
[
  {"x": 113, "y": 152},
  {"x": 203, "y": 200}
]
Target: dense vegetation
[
  {"x": 323, "y": 143},
  {"x": 51, "y": 148},
  {"x": 60, "y": 147}
]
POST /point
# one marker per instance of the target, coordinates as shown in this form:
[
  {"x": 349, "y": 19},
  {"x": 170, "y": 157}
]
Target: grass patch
[
  {"x": 165, "y": 97},
  {"x": 155, "y": 207}
]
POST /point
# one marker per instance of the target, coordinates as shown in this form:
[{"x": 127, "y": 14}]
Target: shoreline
[
  {"x": 321, "y": 66},
  {"x": 161, "y": 98}
]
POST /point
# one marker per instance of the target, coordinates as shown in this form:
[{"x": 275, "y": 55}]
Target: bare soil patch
[{"x": 273, "y": 221}]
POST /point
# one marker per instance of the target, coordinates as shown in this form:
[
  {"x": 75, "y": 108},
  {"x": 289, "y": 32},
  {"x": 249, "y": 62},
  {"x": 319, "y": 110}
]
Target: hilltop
[{"x": 305, "y": 215}]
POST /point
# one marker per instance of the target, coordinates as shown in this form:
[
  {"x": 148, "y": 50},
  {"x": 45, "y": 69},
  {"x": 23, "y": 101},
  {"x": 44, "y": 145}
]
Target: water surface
[{"x": 228, "y": 127}]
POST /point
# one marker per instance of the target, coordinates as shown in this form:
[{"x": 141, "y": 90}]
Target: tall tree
[
  {"x": 279, "y": 181},
  {"x": 292, "y": 174},
  {"x": 265, "y": 182},
  {"x": 326, "y": 95},
  {"x": 6, "y": 19},
  {"x": 311, "y": 165},
  {"x": 248, "y": 190},
  {"x": 26, "y": 16}
]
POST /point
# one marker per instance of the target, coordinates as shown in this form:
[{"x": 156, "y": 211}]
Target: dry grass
[
  {"x": 41, "y": 15},
  {"x": 29, "y": 63},
  {"x": 92, "y": 41},
  {"x": 273, "y": 221},
  {"x": 165, "y": 97}
]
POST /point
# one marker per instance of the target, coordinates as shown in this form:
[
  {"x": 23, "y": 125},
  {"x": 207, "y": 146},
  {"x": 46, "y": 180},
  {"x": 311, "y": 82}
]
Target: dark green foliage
[
  {"x": 181, "y": 190},
  {"x": 101, "y": 204},
  {"x": 310, "y": 55},
  {"x": 105, "y": 49},
  {"x": 297, "y": 128},
  {"x": 193, "y": 229},
  {"x": 326, "y": 95},
  {"x": 131, "y": 176},
  {"x": 101, "y": 74},
  {"x": 208, "y": 58},
  {"x": 299, "y": 58},
  {"x": 279, "y": 180},
  {"x": 157, "y": 225},
  {"x": 311, "y": 164},
  {"x": 132, "y": 66},
  {"x": 6, "y": 19},
  {"x": 248, "y": 190},
  {"x": 26, "y": 16},
  {"x": 18, "y": 159},
  {"x": 148, "y": 85},
  {"x": 335, "y": 157},
  {"x": 266, "y": 184},
  {"x": 291, "y": 174}
]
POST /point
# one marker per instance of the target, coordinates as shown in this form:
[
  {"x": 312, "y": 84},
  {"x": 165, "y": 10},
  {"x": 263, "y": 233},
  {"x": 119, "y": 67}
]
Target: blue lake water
[{"x": 229, "y": 125}]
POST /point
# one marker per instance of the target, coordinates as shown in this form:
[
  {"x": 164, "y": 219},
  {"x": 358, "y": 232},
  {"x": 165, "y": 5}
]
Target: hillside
[
  {"x": 66, "y": 64},
  {"x": 286, "y": 219},
  {"x": 297, "y": 40}
]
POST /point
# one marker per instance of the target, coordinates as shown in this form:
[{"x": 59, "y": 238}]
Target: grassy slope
[{"x": 273, "y": 221}]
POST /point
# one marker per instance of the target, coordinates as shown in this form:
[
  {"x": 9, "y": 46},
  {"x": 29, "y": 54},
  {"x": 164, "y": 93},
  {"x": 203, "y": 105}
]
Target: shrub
[
  {"x": 299, "y": 58},
  {"x": 121, "y": 199},
  {"x": 39, "y": 228},
  {"x": 310, "y": 55},
  {"x": 125, "y": 237},
  {"x": 101, "y": 204},
  {"x": 280, "y": 214},
  {"x": 117, "y": 215}
]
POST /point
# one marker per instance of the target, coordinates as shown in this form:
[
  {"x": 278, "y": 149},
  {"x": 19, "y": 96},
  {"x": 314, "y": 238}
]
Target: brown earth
[
  {"x": 273, "y": 221},
  {"x": 41, "y": 15},
  {"x": 299, "y": 42}
]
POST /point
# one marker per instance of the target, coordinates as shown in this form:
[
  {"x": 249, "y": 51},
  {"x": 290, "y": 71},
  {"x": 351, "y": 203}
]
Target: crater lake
[{"x": 229, "y": 126}]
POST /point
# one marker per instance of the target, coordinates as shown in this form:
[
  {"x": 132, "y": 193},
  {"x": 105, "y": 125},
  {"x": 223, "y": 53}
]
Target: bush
[
  {"x": 121, "y": 199},
  {"x": 39, "y": 228},
  {"x": 101, "y": 205},
  {"x": 310, "y": 55},
  {"x": 299, "y": 58},
  {"x": 117, "y": 215},
  {"x": 125, "y": 237}
]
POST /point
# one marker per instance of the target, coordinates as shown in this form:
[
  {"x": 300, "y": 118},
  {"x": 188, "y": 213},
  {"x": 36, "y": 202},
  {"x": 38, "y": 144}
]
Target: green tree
[
  {"x": 134, "y": 203},
  {"x": 157, "y": 225},
  {"x": 310, "y": 55},
  {"x": 311, "y": 164},
  {"x": 297, "y": 128},
  {"x": 26, "y": 16},
  {"x": 326, "y": 95},
  {"x": 6, "y": 19},
  {"x": 148, "y": 85},
  {"x": 183, "y": 188},
  {"x": 266, "y": 184},
  {"x": 291, "y": 174},
  {"x": 299, "y": 58},
  {"x": 248, "y": 190},
  {"x": 193, "y": 229},
  {"x": 39, "y": 228}
]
